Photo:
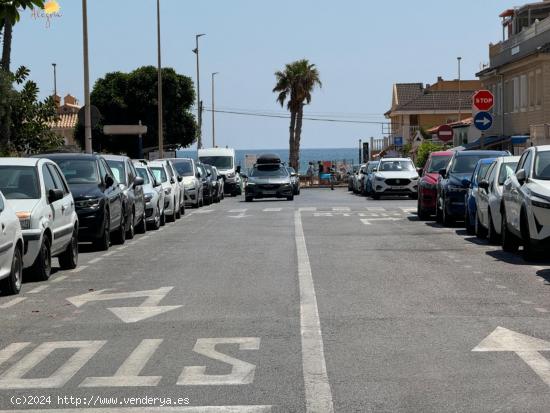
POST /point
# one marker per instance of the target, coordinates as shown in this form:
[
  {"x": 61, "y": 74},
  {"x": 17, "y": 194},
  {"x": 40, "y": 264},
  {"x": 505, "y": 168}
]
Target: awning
[
  {"x": 488, "y": 142},
  {"x": 520, "y": 139}
]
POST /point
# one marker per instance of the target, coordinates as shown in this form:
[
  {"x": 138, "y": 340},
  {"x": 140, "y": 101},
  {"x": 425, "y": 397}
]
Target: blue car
[
  {"x": 454, "y": 182},
  {"x": 471, "y": 196}
]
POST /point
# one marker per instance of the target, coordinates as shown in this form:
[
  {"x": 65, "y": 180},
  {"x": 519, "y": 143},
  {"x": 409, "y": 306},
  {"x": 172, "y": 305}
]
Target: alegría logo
[{"x": 51, "y": 10}]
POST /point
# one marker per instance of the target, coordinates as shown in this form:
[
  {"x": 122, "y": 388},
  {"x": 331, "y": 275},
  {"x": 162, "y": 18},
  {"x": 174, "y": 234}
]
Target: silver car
[
  {"x": 154, "y": 196},
  {"x": 187, "y": 169},
  {"x": 164, "y": 175}
]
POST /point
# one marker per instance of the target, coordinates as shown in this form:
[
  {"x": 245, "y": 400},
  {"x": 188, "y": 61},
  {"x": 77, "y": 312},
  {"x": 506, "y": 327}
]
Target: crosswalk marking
[
  {"x": 59, "y": 279},
  {"x": 38, "y": 289},
  {"x": 13, "y": 302},
  {"x": 341, "y": 209},
  {"x": 273, "y": 209},
  {"x": 307, "y": 209},
  {"x": 237, "y": 211}
]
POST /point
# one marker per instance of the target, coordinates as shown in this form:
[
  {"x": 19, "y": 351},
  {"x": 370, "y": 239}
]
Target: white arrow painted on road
[
  {"x": 370, "y": 220},
  {"x": 526, "y": 347},
  {"x": 149, "y": 308}
]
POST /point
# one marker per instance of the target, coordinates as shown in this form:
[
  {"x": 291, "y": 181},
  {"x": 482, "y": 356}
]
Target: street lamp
[
  {"x": 213, "y": 111},
  {"x": 459, "y": 90},
  {"x": 199, "y": 106},
  {"x": 54, "y": 80},
  {"x": 87, "y": 109},
  {"x": 159, "y": 91}
]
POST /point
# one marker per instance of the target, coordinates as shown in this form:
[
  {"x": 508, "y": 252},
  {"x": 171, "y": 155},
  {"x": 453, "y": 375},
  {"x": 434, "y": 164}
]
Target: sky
[{"x": 360, "y": 47}]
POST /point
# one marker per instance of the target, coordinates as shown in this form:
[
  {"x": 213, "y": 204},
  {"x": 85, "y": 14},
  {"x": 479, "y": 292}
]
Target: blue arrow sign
[{"x": 483, "y": 121}]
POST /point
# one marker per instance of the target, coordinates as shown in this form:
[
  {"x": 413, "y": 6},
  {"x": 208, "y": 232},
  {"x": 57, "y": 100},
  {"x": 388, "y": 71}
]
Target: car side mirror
[
  {"x": 172, "y": 180},
  {"x": 109, "y": 181},
  {"x": 521, "y": 176},
  {"x": 54, "y": 195},
  {"x": 484, "y": 185},
  {"x": 198, "y": 175},
  {"x": 180, "y": 178},
  {"x": 138, "y": 181},
  {"x": 443, "y": 173},
  {"x": 238, "y": 169}
]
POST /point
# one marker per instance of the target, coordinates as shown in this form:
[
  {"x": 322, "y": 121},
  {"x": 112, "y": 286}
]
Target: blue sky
[{"x": 360, "y": 47}]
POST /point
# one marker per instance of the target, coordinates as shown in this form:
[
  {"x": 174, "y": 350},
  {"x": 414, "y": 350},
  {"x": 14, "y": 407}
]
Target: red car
[{"x": 427, "y": 185}]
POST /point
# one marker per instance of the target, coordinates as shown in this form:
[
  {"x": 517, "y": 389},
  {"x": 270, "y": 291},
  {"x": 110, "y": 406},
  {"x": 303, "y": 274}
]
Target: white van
[{"x": 224, "y": 160}]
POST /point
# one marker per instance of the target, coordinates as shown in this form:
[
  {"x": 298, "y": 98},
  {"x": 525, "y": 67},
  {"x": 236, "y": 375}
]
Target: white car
[
  {"x": 360, "y": 179},
  {"x": 11, "y": 250},
  {"x": 187, "y": 169},
  {"x": 38, "y": 193},
  {"x": 153, "y": 194},
  {"x": 526, "y": 204},
  {"x": 489, "y": 197},
  {"x": 395, "y": 176},
  {"x": 163, "y": 174},
  {"x": 181, "y": 185}
]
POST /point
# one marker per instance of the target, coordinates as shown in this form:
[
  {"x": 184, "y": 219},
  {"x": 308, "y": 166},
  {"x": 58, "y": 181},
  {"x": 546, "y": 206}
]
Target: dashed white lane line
[
  {"x": 38, "y": 289},
  {"x": 59, "y": 279},
  {"x": 236, "y": 211},
  {"x": 408, "y": 210},
  {"x": 13, "y": 302},
  {"x": 501, "y": 287},
  {"x": 317, "y": 387},
  {"x": 541, "y": 310},
  {"x": 272, "y": 209},
  {"x": 95, "y": 260},
  {"x": 122, "y": 247},
  {"x": 306, "y": 209},
  {"x": 81, "y": 268},
  {"x": 527, "y": 302},
  {"x": 375, "y": 209}
]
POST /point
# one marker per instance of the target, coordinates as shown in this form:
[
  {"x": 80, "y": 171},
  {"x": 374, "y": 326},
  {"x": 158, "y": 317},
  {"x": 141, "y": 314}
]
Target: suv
[
  {"x": 36, "y": 190},
  {"x": 132, "y": 187},
  {"x": 187, "y": 169},
  {"x": 472, "y": 195},
  {"x": 367, "y": 185},
  {"x": 269, "y": 178},
  {"x": 526, "y": 204},
  {"x": 395, "y": 176},
  {"x": 454, "y": 182},
  {"x": 98, "y": 199},
  {"x": 11, "y": 250},
  {"x": 427, "y": 185}
]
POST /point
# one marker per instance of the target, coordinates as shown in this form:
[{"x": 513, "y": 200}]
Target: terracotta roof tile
[{"x": 65, "y": 121}]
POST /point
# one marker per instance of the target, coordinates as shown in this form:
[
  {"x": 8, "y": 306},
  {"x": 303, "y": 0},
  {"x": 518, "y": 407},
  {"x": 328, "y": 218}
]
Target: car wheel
[
  {"x": 492, "y": 233},
  {"x": 421, "y": 212},
  {"x": 120, "y": 234},
  {"x": 530, "y": 253},
  {"x": 508, "y": 240},
  {"x": 12, "y": 284},
  {"x": 68, "y": 260},
  {"x": 470, "y": 229},
  {"x": 446, "y": 219},
  {"x": 131, "y": 229},
  {"x": 142, "y": 226},
  {"x": 375, "y": 196},
  {"x": 103, "y": 242},
  {"x": 481, "y": 232},
  {"x": 290, "y": 198},
  {"x": 42, "y": 267},
  {"x": 162, "y": 219},
  {"x": 249, "y": 199},
  {"x": 413, "y": 196}
]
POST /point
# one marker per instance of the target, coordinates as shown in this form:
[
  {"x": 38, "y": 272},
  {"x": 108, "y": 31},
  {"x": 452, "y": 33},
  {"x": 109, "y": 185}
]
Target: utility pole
[
  {"x": 199, "y": 103},
  {"x": 459, "y": 90},
  {"x": 213, "y": 111},
  {"x": 159, "y": 92},
  {"x": 87, "y": 108},
  {"x": 54, "y": 79}
]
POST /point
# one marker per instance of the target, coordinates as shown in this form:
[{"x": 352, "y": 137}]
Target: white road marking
[
  {"x": 341, "y": 209},
  {"x": 241, "y": 372},
  {"x": 95, "y": 260},
  {"x": 122, "y": 247},
  {"x": 204, "y": 211},
  {"x": 179, "y": 409},
  {"x": 81, "y": 268},
  {"x": 541, "y": 310},
  {"x": 108, "y": 254},
  {"x": 407, "y": 210},
  {"x": 370, "y": 220},
  {"x": 501, "y": 287},
  {"x": 13, "y": 302},
  {"x": 59, "y": 279},
  {"x": 527, "y": 302},
  {"x": 128, "y": 373},
  {"x": 375, "y": 209},
  {"x": 527, "y": 348},
  {"x": 11, "y": 351},
  {"x": 14, "y": 377},
  {"x": 317, "y": 387},
  {"x": 272, "y": 209},
  {"x": 323, "y": 214},
  {"x": 478, "y": 272},
  {"x": 38, "y": 289},
  {"x": 307, "y": 209},
  {"x": 237, "y": 211}
]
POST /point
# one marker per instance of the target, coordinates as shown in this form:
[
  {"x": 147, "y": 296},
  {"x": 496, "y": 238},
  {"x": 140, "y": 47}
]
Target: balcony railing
[{"x": 527, "y": 34}]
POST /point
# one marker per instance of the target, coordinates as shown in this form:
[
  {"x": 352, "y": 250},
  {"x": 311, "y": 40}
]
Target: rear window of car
[
  {"x": 438, "y": 163},
  {"x": 79, "y": 171},
  {"x": 467, "y": 164},
  {"x": 19, "y": 182},
  {"x": 184, "y": 168}
]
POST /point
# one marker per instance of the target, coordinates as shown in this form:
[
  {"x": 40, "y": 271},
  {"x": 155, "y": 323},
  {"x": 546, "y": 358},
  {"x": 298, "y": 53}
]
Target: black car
[
  {"x": 269, "y": 178},
  {"x": 98, "y": 198},
  {"x": 132, "y": 187},
  {"x": 216, "y": 183},
  {"x": 207, "y": 189}
]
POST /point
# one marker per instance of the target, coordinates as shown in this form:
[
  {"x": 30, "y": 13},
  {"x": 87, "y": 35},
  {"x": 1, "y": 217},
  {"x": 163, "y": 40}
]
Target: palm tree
[{"x": 295, "y": 84}]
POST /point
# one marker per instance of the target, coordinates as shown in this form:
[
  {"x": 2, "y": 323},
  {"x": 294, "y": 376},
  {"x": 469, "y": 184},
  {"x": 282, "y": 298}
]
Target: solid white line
[
  {"x": 81, "y": 268},
  {"x": 182, "y": 409},
  {"x": 38, "y": 289},
  {"x": 317, "y": 386},
  {"x": 59, "y": 279},
  {"x": 94, "y": 260},
  {"x": 13, "y": 302},
  {"x": 108, "y": 254}
]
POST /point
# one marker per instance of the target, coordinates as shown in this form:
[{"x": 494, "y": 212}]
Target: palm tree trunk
[
  {"x": 297, "y": 136},
  {"x": 291, "y": 145},
  {"x": 6, "y": 46}
]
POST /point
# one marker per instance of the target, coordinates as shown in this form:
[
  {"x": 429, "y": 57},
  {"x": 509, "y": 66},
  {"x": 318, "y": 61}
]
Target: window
[
  {"x": 118, "y": 171},
  {"x": 532, "y": 90},
  {"x": 538, "y": 80},
  {"x": 516, "y": 94},
  {"x": 103, "y": 170},
  {"x": 78, "y": 171},
  {"x": 524, "y": 92},
  {"x": 528, "y": 163},
  {"x": 1, "y": 204},
  {"x": 59, "y": 184},
  {"x": 19, "y": 182},
  {"x": 49, "y": 183}
]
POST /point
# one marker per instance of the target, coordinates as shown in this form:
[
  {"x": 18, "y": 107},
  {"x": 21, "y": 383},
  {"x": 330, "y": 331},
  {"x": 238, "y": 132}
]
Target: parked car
[
  {"x": 187, "y": 169},
  {"x": 526, "y": 204},
  {"x": 395, "y": 176},
  {"x": 269, "y": 178},
  {"x": 351, "y": 176},
  {"x": 454, "y": 182},
  {"x": 11, "y": 250},
  {"x": 226, "y": 161},
  {"x": 98, "y": 198},
  {"x": 207, "y": 189},
  {"x": 170, "y": 187},
  {"x": 36, "y": 190},
  {"x": 472, "y": 193},
  {"x": 153, "y": 193},
  {"x": 489, "y": 199},
  {"x": 295, "y": 179},
  {"x": 216, "y": 182},
  {"x": 132, "y": 187},
  {"x": 221, "y": 184},
  {"x": 181, "y": 185},
  {"x": 359, "y": 179},
  {"x": 427, "y": 184},
  {"x": 369, "y": 177}
]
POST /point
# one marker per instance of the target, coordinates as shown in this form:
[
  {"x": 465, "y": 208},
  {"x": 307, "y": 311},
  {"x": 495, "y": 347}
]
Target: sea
[{"x": 339, "y": 156}]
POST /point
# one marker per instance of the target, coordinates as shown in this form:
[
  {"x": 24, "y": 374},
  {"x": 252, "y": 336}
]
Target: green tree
[
  {"x": 424, "y": 151},
  {"x": 295, "y": 85},
  {"x": 127, "y": 98}
]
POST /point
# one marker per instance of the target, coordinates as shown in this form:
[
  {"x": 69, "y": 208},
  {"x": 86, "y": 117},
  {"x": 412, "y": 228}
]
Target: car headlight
[
  {"x": 148, "y": 197},
  {"x": 415, "y": 178},
  {"x": 24, "y": 219},
  {"x": 167, "y": 191},
  {"x": 89, "y": 203},
  {"x": 539, "y": 201}
]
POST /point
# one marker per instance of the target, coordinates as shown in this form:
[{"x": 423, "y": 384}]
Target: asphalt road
[{"x": 328, "y": 303}]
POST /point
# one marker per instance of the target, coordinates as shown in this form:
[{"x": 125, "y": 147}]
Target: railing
[{"x": 528, "y": 33}]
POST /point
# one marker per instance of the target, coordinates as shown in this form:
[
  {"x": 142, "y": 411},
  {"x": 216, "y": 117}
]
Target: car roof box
[{"x": 268, "y": 158}]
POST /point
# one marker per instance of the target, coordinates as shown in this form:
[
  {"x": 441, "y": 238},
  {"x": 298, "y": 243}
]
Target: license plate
[
  {"x": 398, "y": 187},
  {"x": 270, "y": 192}
]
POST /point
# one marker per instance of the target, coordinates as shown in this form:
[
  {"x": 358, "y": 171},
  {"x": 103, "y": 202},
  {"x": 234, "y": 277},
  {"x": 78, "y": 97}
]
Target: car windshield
[
  {"x": 220, "y": 162},
  {"x": 396, "y": 166},
  {"x": 143, "y": 173},
  {"x": 268, "y": 171},
  {"x": 466, "y": 164},
  {"x": 371, "y": 167},
  {"x": 160, "y": 173},
  {"x": 19, "y": 182},
  {"x": 542, "y": 166},
  {"x": 79, "y": 171},
  {"x": 184, "y": 168},
  {"x": 118, "y": 170},
  {"x": 438, "y": 163},
  {"x": 506, "y": 170}
]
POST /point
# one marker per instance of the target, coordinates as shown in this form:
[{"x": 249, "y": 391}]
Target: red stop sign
[
  {"x": 445, "y": 133},
  {"x": 483, "y": 100}
]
